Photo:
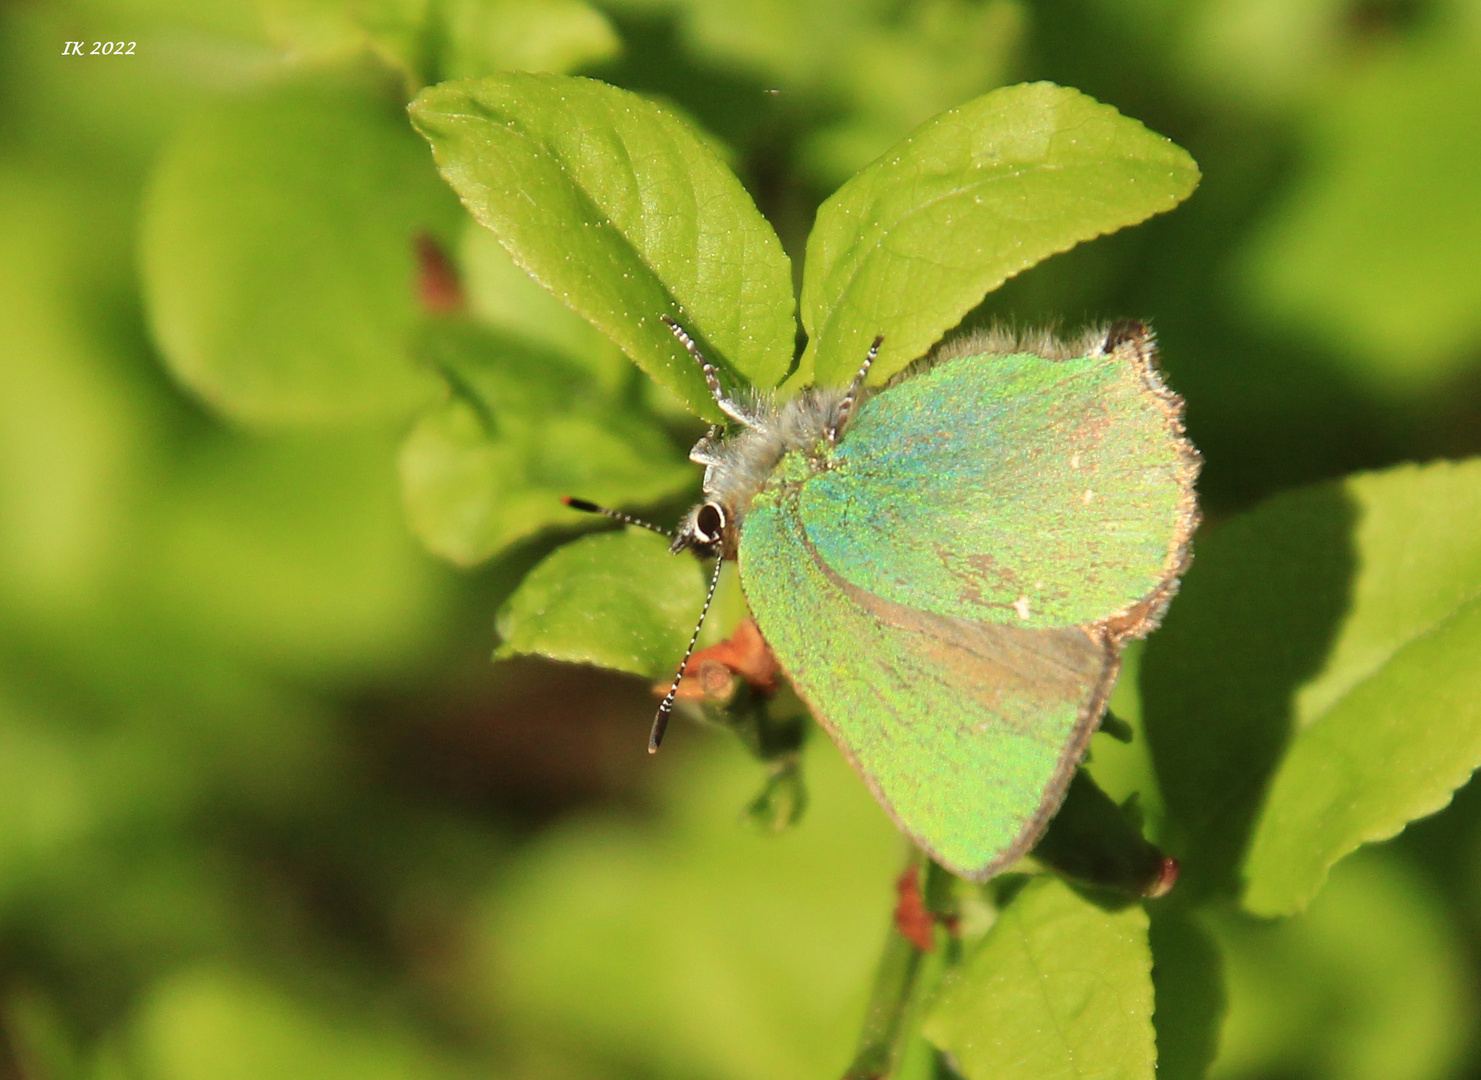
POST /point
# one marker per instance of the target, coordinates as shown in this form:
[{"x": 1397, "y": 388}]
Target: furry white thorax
[{"x": 737, "y": 467}]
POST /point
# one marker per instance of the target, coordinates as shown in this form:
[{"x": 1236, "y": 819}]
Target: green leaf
[
  {"x": 1188, "y": 985},
  {"x": 1314, "y": 686},
  {"x": 1374, "y": 250},
  {"x": 1058, "y": 988},
  {"x": 617, "y": 600},
  {"x": 912, "y": 243},
  {"x": 484, "y": 36},
  {"x": 1391, "y": 725},
  {"x": 504, "y": 297},
  {"x": 209, "y": 1022},
  {"x": 522, "y": 429},
  {"x": 938, "y": 53},
  {"x": 1370, "y": 983},
  {"x": 293, "y": 551},
  {"x": 278, "y": 253},
  {"x": 622, "y": 210},
  {"x": 693, "y": 943}
]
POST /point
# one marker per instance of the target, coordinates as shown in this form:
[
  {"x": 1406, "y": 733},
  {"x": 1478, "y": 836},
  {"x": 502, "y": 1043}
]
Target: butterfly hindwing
[{"x": 967, "y": 732}]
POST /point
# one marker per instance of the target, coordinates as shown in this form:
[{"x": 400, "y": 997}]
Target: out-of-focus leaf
[
  {"x": 293, "y": 550},
  {"x": 699, "y": 944},
  {"x": 1314, "y": 686},
  {"x": 616, "y": 600},
  {"x": 1391, "y": 725},
  {"x": 914, "y": 241},
  {"x": 218, "y": 1024},
  {"x": 400, "y": 32},
  {"x": 278, "y": 253},
  {"x": 890, "y": 66},
  {"x": 521, "y": 430},
  {"x": 1375, "y": 249},
  {"x": 75, "y": 436},
  {"x": 621, "y": 210},
  {"x": 1365, "y": 985},
  {"x": 1059, "y": 988},
  {"x": 485, "y": 36},
  {"x": 503, "y": 296}
]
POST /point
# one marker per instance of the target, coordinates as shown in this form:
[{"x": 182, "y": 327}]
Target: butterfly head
[{"x": 706, "y": 529}]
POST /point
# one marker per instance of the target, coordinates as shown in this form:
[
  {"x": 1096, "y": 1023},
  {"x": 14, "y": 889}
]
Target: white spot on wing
[
  {"x": 1021, "y": 606},
  {"x": 1087, "y": 496}
]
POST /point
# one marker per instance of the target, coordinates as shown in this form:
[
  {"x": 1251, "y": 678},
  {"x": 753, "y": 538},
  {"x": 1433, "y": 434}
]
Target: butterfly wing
[
  {"x": 948, "y": 589},
  {"x": 1014, "y": 489},
  {"x": 967, "y": 733}
]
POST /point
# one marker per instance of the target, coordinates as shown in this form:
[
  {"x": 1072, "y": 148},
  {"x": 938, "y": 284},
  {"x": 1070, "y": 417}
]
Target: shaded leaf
[
  {"x": 1188, "y": 985},
  {"x": 521, "y": 430},
  {"x": 625, "y": 214},
  {"x": 1058, "y": 988},
  {"x": 278, "y": 258},
  {"x": 1391, "y": 725},
  {"x": 1315, "y": 686},
  {"x": 913, "y": 242},
  {"x": 617, "y": 600}
]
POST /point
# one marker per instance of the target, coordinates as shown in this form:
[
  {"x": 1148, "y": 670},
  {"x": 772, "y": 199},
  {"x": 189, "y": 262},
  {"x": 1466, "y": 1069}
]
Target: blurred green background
[{"x": 266, "y": 808}]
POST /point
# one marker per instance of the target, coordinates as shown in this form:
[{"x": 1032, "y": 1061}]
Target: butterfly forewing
[{"x": 1014, "y": 489}]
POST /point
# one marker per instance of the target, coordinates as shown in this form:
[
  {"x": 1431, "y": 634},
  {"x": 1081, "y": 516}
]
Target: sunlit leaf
[
  {"x": 521, "y": 429},
  {"x": 616, "y": 600},
  {"x": 914, "y": 241},
  {"x": 622, "y": 211},
  {"x": 507, "y": 299},
  {"x": 1391, "y": 725},
  {"x": 1059, "y": 988}
]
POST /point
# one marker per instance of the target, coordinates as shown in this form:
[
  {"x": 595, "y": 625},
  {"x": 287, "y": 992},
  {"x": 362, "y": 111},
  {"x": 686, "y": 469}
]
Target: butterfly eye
[{"x": 709, "y": 523}]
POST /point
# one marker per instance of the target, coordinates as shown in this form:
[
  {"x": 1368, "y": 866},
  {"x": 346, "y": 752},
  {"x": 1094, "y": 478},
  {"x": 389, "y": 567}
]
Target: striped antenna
[
  {"x": 661, "y": 721},
  {"x": 616, "y": 515},
  {"x": 846, "y": 406}
]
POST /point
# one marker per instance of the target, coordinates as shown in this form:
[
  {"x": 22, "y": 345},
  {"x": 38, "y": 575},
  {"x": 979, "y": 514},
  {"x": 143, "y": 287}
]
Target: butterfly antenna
[
  {"x": 616, "y": 515},
  {"x": 661, "y": 721},
  {"x": 712, "y": 377},
  {"x": 846, "y": 406},
  {"x": 733, "y": 409}
]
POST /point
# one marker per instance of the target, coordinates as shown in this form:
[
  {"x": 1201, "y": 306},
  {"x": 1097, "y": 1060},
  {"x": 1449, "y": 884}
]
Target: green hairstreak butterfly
[{"x": 948, "y": 568}]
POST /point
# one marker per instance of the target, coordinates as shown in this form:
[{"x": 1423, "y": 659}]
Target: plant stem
[{"x": 900, "y": 983}]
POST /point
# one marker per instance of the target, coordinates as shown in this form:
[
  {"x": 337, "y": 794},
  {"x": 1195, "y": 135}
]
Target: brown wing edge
[{"x": 1136, "y": 342}]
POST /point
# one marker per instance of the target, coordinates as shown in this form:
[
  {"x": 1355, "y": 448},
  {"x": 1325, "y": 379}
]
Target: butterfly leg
[
  {"x": 846, "y": 406},
  {"x": 731, "y": 408}
]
